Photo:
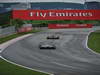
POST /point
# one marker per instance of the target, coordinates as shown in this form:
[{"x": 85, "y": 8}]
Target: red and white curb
[{"x": 6, "y": 44}]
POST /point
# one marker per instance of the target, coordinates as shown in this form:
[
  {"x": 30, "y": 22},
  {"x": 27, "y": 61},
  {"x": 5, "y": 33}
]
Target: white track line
[
  {"x": 8, "y": 43},
  {"x": 25, "y": 66},
  {"x": 86, "y": 44},
  {"x": 5, "y": 45}
]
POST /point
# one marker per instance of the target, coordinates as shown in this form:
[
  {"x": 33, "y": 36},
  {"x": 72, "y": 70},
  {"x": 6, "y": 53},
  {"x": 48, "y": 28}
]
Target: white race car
[
  {"x": 53, "y": 37},
  {"x": 47, "y": 45}
]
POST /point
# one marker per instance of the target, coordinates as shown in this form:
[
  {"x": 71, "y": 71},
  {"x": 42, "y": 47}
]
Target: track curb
[
  {"x": 8, "y": 43},
  {"x": 86, "y": 43}
]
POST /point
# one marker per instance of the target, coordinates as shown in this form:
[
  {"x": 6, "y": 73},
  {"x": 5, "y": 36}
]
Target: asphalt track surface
[{"x": 70, "y": 58}]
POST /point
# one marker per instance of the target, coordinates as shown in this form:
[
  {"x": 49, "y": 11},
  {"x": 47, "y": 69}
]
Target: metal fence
[
  {"x": 7, "y": 31},
  {"x": 96, "y": 28}
]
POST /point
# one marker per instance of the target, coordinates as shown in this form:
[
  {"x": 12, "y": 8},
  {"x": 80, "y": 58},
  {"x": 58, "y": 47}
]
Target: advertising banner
[
  {"x": 58, "y": 26},
  {"x": 56, "y": 14},
  {"x": 25, "y": 29}
]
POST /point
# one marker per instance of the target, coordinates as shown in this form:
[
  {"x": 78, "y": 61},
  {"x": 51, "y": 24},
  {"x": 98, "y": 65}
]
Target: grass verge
[
  {"x": 10, "y": 69},
  {"x": 7, "y": 38},
  {"x": 94, "y": 41}
]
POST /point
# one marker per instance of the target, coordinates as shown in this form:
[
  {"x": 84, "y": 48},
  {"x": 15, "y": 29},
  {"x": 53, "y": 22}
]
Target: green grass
[
  {"x": 10, "y": 69},
  {"x": 7, "y": 38},
  {"x": 94, "y": 41}
]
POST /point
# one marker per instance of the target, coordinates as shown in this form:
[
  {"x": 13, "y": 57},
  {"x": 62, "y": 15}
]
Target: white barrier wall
[{"x": 7, "y": 31}]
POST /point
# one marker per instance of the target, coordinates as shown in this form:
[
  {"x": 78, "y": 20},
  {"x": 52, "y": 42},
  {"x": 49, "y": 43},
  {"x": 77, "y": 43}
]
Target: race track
[{"x": 70, "y": 58}]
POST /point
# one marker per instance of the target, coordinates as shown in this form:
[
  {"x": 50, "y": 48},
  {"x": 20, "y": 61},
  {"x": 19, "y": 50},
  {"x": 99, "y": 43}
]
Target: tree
[
  {"x": 5, "y": 19},
  {"x": 18, "y": 23}
]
